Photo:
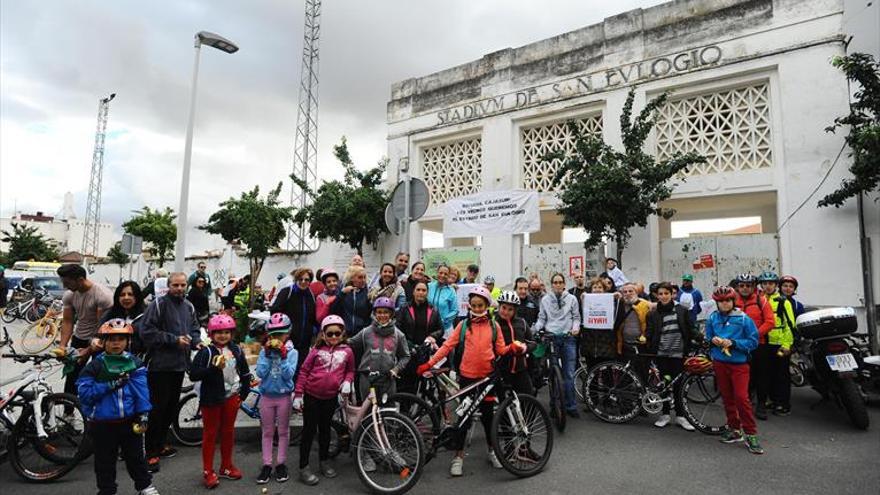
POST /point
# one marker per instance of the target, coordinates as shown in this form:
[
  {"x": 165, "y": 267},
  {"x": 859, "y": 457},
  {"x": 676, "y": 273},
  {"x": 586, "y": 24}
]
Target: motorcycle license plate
[{"x": 842, "y": 362}]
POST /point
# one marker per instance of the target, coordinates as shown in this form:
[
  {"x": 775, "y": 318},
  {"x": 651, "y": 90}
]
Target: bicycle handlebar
[{"x": 23, "y": 358}]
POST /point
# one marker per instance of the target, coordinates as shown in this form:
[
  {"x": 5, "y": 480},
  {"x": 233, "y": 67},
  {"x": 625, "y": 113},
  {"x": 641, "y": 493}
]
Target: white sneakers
[
  {"x": 493, "y": 460},
  {"x": 665, "y": 419},
  {"x": 455, "y": 468}
]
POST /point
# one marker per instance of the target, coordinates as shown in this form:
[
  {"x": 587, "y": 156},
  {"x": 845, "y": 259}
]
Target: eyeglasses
[
  {"x": 557, "y": 282},
  {"x": 742, "y": 286},
  {"x": 331, "y": 335},
  {"x": 304, "y": 279}
]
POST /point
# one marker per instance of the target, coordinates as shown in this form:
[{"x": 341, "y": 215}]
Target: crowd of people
[{"x": 328, "y": 329}]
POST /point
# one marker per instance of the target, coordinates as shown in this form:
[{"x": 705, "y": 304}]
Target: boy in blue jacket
[
  {"x": 115, "y": 400},
  {"x": 733, "y": 336}
]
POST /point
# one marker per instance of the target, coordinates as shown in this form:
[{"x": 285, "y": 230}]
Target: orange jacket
[
  {"x": 759, "y": 310},
  {"x": 477, "y": 361}
]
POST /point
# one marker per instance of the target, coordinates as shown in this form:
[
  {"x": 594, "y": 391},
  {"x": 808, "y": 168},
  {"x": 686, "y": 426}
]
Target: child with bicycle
[
  {"x": 225, "y": 382},
  {"x": 477, "y": 341},
  {"x": 276, "y": 368},
  {"x": 327, "y": 371},
  {"x": 113, "y": 392},
  {"x": 733, "y": 336},
  {"x": 383, "y": 348}
]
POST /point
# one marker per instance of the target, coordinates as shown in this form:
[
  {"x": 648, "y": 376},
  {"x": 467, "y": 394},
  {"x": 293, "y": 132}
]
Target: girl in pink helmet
[
  {"x": 327, "y": 371},
  {"x": 324, "y": 301}
]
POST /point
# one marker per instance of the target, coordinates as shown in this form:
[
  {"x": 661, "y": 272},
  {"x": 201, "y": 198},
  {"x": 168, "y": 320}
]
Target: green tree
[
  {"x": 26, "y": 243},
  {"x": 352, "y": 211},
  {"x": 608, "y": 192},
  {"x": 156, "y": 227},
  {"x": 864, "y": 129},
  {"x": 117, "y": 257},
  {"x": 257, "y": 223}
]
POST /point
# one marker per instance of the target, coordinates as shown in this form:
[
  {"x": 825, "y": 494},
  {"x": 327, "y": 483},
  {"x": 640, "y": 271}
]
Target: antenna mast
[{"x": 93, "y": 206}]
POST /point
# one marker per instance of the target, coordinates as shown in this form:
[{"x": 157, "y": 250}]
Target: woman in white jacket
[{"x": 559, "y": 315}]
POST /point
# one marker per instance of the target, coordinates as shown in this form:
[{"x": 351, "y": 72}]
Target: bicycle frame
[
  {"x": 35, "y": 377},
  {"x": 353, "y": 415}
]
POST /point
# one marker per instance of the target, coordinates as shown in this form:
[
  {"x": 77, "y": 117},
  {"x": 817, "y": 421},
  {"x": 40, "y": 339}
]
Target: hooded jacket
[
  {"x": 418, "y": 321},
  {"x": 782, "y": 333},
  {"x": 515, "y": 329},
  {"x": 478, "y": 356},
  {"x": 112, "y": 400},
  {"x": 354, "y": 308},
  {"x": 654, "y": 326},
  {"x": 640, "y": 308},
  {"x": 559, "y": 314},
  {"x": 445, "y": 300},
  {"x": 758, "y": 309},
  {"x": 213, "y": 388},
  {"x": 324, "y": 371},
  {"x": 382, "y": 348},
  {"x": 165, "y": 319},
  {"x": 276, "y": 374},
  {"x": 737, "y": 327},
  {"x": 299, "y": 305}
]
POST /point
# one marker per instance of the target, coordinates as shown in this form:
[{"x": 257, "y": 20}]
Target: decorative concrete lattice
[
  {"x": 454, "y": 169},
  {"x": 730, "y": 128},
  {"x": 537, "y": 142}
]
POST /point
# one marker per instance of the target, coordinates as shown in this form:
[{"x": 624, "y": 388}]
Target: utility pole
[
  {"x": 93, "y": 206},
  {"x": 305, "y": 145}
]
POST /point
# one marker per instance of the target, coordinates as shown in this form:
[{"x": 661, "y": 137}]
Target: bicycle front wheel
[
  {"x": 522, "y": 437},
  {"x": 390, "y": 455},
  {"x": 187, "y": 427},
  {"x": 702, "y": 403},
  {"x": 613, "y": 392},
  {"x": 580, "y": 378},
  {"x": 10, "y": 313},
  {"x": 557, "y": 398},
  {"x": 38, "y": 337},
  {"x": 421, "y": 413}
]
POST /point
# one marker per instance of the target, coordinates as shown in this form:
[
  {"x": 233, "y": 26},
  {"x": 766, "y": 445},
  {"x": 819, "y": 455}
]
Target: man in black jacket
[{"x": 170, "y": 330}]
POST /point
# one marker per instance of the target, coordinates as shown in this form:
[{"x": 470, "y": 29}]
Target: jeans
[{"x": 566, "y": 346}]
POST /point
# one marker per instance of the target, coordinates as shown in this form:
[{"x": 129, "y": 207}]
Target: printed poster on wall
[
  {"x": 463, "y": 290},
  {"x": 575, "y": 265},
  {"x": 458, "y": 257},
  {"x": 492, "y": 213},
  {"x": 598, "y": 311}
]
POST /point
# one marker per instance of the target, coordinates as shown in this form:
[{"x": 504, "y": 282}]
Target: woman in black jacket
[
  {"x": 515, "y": 368},
  {"x": 198, "y": 298},
  {"x": 420, "y": 322},
  {"x": 298, "y": 303}
]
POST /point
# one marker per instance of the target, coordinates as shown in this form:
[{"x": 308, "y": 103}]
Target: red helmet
[
  {"x": 116, "y": 326},
  {"x": 724, "y": 293},
  {"x": 697, "y": 365},
  {"x": 220, "y": 322},
  {"x": 332, "y": 320},
  {"x": 788, "y": 278},
  {"x": 482, "y": 292}
]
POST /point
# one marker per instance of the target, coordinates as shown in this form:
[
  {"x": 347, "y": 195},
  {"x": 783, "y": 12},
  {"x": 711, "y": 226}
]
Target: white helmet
[{"x": 509, "y": 297}]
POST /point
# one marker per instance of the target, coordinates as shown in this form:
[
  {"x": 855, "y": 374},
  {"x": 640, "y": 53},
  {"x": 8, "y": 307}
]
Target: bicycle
[
  {"x": 550, "y": 373},
  {"x": 48, "y": 439},
  {"x": 521, "y": 435},
  {"x": 45, "y": 332},
  {"x": 31, "y": 306},
  {"x": 616, "y": 393}
]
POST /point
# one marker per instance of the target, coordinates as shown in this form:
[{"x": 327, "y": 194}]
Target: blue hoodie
[
  {"x": 737, "y": 327},
  {"x": 276, "y": 374},
  {"x": 109, "y": 401},
  {"x": 445, "y": 299}
]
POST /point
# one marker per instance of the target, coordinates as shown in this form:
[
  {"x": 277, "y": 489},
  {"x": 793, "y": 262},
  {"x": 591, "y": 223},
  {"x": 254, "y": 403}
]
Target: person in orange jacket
[
  {"x": 474, "y": 360},
  {"x": 756, "y": 307}
]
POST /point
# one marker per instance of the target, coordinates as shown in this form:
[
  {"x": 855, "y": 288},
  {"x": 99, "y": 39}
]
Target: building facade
[{"x": 751, "y": 88}]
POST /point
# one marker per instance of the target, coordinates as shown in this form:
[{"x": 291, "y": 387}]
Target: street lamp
[{"x": 224, "y": 45}]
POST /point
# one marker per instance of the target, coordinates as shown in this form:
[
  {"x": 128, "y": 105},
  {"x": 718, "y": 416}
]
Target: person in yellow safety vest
[
  {"x": 489, "y": 284},
  {"x": 780, "y": 338}
]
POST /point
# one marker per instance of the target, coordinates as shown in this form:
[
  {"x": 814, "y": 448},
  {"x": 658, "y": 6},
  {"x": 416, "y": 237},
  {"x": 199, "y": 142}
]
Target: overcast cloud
[{"x": 57, "y": 58}]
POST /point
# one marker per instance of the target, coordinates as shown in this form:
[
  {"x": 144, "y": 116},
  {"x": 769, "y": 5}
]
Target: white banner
[
  {"x": 598, "y": 311},
  {"x": 463, "y": 304},
  {"x": 492, "y": 213}
]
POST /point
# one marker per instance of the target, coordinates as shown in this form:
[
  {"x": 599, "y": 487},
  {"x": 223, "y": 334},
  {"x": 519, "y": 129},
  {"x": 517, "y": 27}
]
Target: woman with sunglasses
[{"x": 298, "y": 303}]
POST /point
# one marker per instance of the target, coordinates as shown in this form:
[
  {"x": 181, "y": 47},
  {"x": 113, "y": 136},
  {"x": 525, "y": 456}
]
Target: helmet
[
  {"x": 327, "y": 272},
  {"x": 332, "y": 320},
  {"x": 653, "y": 287},
  {"x": 278, "y": 323},
  {"x": 220, "y": 322},
  {"x": 697, "y": 365},
  {"x": 788, "y": 278},
  {"x": 280, "y": 276},
  {"x": 482, "y": 292},
  {"x": 724, "y": 293},
  {"x": 508, "y": 297},
  {"x": 489, "y": 279},
  {"x": 116, "y": 326},
  {"x": 745, "y": 278},
  {"x": 768, "y": 277},
  {"x": 383, "y": 302}
]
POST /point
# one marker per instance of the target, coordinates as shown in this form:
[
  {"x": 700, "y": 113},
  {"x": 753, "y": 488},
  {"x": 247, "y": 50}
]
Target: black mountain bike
[{"x": 549, "y": 372}]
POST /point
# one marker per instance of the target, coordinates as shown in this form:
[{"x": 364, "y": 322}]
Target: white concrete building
[
  {"x": 751, "y": 88},
  {"x": 64, "y": 234}
]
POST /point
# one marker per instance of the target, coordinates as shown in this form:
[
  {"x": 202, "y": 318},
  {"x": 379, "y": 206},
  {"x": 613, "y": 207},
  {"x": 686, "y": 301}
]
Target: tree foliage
[
  {"x": 118, "y": 257},
  {"x": 608, "y": 192},
  {"x": 864, "y": 129},
  {"x": 257, "y": 223},
  {"x": 351, "y": 211},
  {"x": 156, "y": 227},
  {"x": 26, "y": 243}
]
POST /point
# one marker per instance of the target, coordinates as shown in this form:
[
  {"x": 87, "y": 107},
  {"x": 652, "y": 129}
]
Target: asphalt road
[{"x": 811, "y": 451}]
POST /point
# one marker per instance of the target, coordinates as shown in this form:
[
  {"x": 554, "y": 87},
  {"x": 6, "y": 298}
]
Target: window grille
[
  {"x": 537, "y": 142},
  {"x": 454, "y": 169}
]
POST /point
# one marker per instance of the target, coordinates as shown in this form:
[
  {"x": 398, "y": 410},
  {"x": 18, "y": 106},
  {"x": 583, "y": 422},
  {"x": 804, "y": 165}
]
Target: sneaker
[
  {"x": 493, "y": 460},
  {"x": 731, "y": 436},
  {"x": 684, "y": 423},
  {"x": 153, "y": 464},
  {"x": 369, "y": 464},
  {"x": 662, "y": 421},
  {"x": 265, "y": 474},
  {"x": 455, "y": 468},
  {"x": 308, "y": 477},
  {"x": 327, "y": 470},
  {"x": 782, "y": 410},
  {"x": 211, "y": 480},
  {"x": 281, "y": 473},
  {"x": 230, "y": 473},
  {"x": 167, "y": 452},
  {"x": 753, "y": 445},
  {"x": 761, "y": 412},
  {"x": 150, "y": 490}
]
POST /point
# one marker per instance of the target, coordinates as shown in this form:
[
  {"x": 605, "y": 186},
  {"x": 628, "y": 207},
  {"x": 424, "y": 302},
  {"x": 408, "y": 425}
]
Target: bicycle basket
[{"x": 540, "y": 350}]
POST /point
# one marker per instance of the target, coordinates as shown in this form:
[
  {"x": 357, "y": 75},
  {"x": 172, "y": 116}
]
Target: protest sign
[
  {"x": 598, "y": 311},
  {"x": 492, "y": 213}
]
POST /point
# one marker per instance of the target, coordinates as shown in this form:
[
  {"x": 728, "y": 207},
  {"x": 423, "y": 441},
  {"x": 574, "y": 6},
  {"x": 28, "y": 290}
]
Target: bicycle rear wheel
[
  {"x": 613, "y": 392},
  {"x": 557, "y": 398},
  {"x": 187, "y": 426},
  {"x": 400, "y": 467},
  {"x": 38, "y": 337},
  {"x": 10, "y": 313},
  {"x": 580, "y": 378},
  {"x": 421, "y": 413},
  {"x": 702, "y": 403},
  {"x": 39, "y": 460},
  {"x": 522, "y": 440}
]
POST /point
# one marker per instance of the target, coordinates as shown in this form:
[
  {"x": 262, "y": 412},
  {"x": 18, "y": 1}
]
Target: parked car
[{"x": 51, "y": 284}]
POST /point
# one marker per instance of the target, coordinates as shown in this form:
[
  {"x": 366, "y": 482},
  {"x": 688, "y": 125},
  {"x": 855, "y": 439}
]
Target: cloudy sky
[{"x": 57, "y": 58}]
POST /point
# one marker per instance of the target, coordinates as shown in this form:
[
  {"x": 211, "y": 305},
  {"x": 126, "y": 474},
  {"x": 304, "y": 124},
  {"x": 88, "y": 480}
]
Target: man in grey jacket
[
  {"x": 559, "y": 314},
  {"x": 170, "y": 330}
]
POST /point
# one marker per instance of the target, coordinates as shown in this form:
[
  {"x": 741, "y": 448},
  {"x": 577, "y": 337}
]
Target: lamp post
[{"x": 222, "y": 44}]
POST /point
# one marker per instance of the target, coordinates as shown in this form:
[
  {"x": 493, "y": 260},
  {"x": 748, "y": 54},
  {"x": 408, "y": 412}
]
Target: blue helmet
[{"x": 768, "y": 276}]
